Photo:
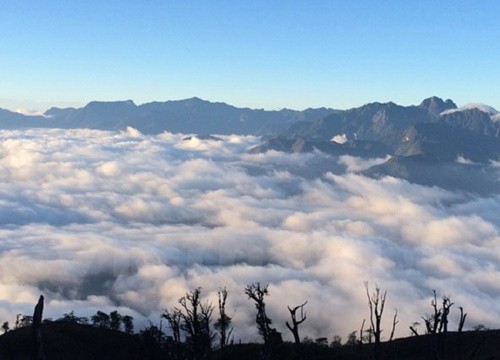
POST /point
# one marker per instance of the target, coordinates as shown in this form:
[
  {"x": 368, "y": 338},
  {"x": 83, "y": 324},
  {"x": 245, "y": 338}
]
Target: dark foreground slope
[
  {"x": 454, "y": 346},
  {"x": 74, "y": 341},
  {"x": 64, "y": 340}
]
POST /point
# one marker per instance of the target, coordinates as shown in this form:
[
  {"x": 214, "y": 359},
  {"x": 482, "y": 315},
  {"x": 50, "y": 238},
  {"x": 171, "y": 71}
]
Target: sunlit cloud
[{"x": 104, "y": 220}]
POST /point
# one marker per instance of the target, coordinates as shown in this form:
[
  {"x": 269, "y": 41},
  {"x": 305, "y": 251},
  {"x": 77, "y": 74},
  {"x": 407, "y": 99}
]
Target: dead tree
[
  {"x": 294, "y": 328},
  {"x": 206, "y": 311},
  {"x": 413, "y": 328},
  {"x": 394, "y": 323},
  {"x": 361, "y": 331},
  {"x": 37, "y": 329},
  {"x": 460, "y": 328},
  {"x": 369, "y": 335},
  {"x": 223, "y": 323},
  {"x": 445, "y": 311},
  {"x": 271, "y": 337},
  {"x": 376, "y": 303},
  {"x": 432, "y": 321},
  {"x": 174, "y": 321},
  {"x": 437, "y": 322},
  {"x": 174, "y": 318},
  {"x": 462, "y": 319},
  {"x": 256, "y": 292},
  {"x": 196, "y": 324}
]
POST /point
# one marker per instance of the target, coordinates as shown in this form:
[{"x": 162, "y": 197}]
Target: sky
[{"x": 260, "y": 54}]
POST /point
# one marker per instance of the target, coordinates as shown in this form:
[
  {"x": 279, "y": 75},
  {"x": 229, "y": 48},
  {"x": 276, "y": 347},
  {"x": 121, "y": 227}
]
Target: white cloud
[
  {"x": 461, "y": 160},
  {"x": 481, "y": 107},
  {"x": 355, "y": 164},
  {"x": 98, "y": 220},
  {"x": 339, "y": 139},
  {"x": 29, "y": 112}
]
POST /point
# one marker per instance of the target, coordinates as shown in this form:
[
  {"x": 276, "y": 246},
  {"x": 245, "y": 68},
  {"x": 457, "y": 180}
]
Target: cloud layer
[{"x": 105, "y": 220}]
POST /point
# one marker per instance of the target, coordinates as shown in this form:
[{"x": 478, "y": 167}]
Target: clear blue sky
[{"x": 265, "y": 54}]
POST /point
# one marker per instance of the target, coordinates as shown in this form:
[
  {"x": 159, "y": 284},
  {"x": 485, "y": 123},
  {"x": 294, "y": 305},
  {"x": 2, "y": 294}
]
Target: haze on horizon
[{"x": 260, "y": 55}]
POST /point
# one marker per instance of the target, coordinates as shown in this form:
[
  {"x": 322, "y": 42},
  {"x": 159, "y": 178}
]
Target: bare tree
[
  {"x": 174, "y": 321},
  {"x": 174, "y": 318},
  {"x": 376, "y": 303},
  {"x": 206, "y": 311},
  {"x": 256, "y": 292},
  {"x": 196, "y": 323},
  {"x": 394, "y": 323},
  {"x": 271, "y": 337},
  {"x": 361, "y": 331},
  {"x": 432, "y": 321},
  {"x": 294, "y": 328},
  {"x": 462, "y": 319},
  {"x": 437, "y": 322},
  {"x": 223, "y": 323},
  {"x": 37, "y": 330},
  {"x": 445, "y": 311},
  {"x": 413, "y": 328}
]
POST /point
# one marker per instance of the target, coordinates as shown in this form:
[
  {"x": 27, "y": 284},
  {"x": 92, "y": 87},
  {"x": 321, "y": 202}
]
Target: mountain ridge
[
  {"x": 424, "y": 142},
  {"x": 193, "y": 115},
  {"x": 435, "y": 131}
]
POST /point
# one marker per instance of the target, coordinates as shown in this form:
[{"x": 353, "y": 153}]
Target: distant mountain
[
  {"x": 429, "y": 171},
  {"x": 434, "y": 127},
  {"x": 435, "y": 131},
  {"x": 447, "y": 142},
  {"x": 351, "y": 147},
  {"x": 13, "y": 120},
  {"x": 474, "y": 119},
  {"x": 202, "y": 137},
  {"x": 425, "y": 141},
  {"x": 375, "y": 121},
  {"x": 183, "y": 116}
]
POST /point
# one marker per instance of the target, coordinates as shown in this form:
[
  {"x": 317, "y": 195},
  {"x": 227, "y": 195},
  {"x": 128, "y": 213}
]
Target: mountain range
[
  {"x": 433, "y": 143},
  {"x": 426, "y": 142},
  {"x": 183, "y": 116}
]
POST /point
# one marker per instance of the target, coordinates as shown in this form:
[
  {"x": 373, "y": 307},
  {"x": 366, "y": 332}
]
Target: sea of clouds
[{"x": 99, "y": 220}]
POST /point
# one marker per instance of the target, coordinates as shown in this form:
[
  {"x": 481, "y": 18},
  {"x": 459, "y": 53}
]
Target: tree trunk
[{"x": 37, "y": 330}]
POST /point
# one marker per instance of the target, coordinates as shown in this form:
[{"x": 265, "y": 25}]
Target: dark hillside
[
  {"x": 64, "y": 340},
  {"x": 451, "y": 346}
]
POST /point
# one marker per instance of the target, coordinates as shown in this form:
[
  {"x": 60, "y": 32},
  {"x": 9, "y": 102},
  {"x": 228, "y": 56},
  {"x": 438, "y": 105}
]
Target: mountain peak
[
  {"x": 121, "y": 103},
  {"x": 196, "y": 100},
  {"x": 436, "y": 105}
]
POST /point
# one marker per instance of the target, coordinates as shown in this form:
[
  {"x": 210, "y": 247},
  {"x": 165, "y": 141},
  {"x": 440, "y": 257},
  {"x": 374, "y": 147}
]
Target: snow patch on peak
[{"x": 339, "y": 139}]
